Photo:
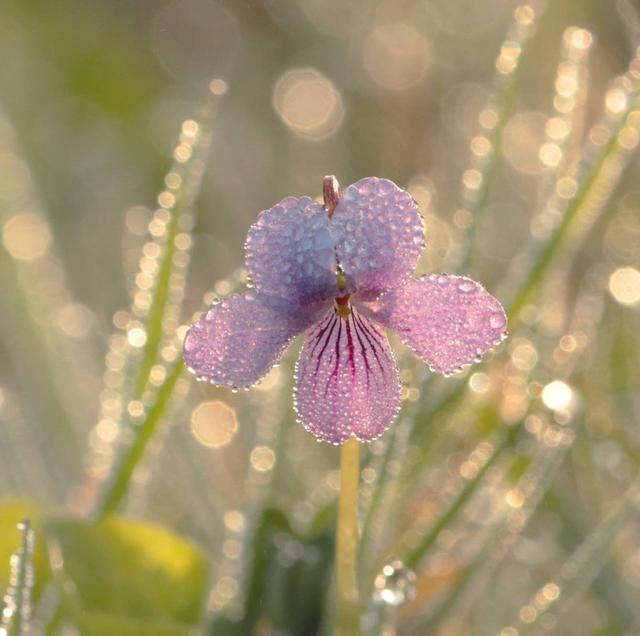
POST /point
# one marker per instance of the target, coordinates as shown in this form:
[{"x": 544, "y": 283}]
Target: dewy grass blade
[
  {"x": 485, "y": 146},
  {"x": 117, "y": 484},
  {"x": 17, "y": 609},
  {"x": 564, "y": 130},
  {"x": 170, "y": 226},
  {"x": 163, "y": 263},
  {"x": 40, "y": 319},
  {"x": 595, "y": 181},
  {"x": 580, "y": 569},
  {"x": 499, "y": 540},
  {"x": 415, "y": 556}
]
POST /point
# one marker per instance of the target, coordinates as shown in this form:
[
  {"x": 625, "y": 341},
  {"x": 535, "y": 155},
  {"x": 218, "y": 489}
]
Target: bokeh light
[
  {"x": 396, "y": 56},
  {"x": 624, "y": 285},
  {"x": 557, "y": 395},
  {"x": 26, "y": 236},
  {"x": 262, "y": 458},
  {"x": 214, "y": 424},
  {"x": 308, "y": 103}
]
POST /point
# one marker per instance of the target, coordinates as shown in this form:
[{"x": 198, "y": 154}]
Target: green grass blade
[
  {"x": 421, "y": 550},
  {"x": 141, "y": 410},
  {"x": 17, "y": 609},
  {"x": 486, "y": 157},
  {"x": 183, "y": 185},
  {"x": 117, "y": 484},
  {"x": 579, "y": 570},
  {"x": 596, "y": 181},
  {"x": 499, "y": 540}
]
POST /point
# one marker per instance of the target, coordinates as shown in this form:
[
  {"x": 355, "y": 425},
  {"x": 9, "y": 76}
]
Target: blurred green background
[{"x": 92, "y": 99}]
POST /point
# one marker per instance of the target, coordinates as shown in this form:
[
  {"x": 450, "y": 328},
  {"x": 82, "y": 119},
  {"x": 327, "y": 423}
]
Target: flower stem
[{"x": 348, "y": 611}]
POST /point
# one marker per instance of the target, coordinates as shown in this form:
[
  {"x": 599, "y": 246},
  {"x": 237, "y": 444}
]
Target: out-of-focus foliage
[
  {"x": 127, "y": 573},
  {"x": 128, "y": 179}
]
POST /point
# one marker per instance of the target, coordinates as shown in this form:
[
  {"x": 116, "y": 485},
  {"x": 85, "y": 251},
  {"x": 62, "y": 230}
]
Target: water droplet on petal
[
  {"x": 395, "y": 585},
  {"x": 467, "y": 286},
  {"x": 497, "y": 320},
  {"x": 443, "y": 280}
]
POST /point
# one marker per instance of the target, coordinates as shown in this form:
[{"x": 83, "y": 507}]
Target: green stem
[
  {"x": 417, "y": 554},
  {"x": 117, "y": 487},
  {"x": 348, "y": 623}
]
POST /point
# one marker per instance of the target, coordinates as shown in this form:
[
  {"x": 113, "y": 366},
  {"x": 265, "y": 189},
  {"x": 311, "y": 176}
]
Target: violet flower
[{"x": 342, "y": 272}]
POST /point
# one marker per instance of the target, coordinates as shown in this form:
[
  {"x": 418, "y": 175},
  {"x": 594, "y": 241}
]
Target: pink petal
[
  {"x": 289, "y": 252},
  {"x": 379, "y": 236},
  {"x": 239, "y": 339},
  {"x": 347, "y": 380},
  {"x": 449, "y": 321}
]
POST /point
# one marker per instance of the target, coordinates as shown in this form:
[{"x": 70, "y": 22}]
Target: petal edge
[
  {"x": 379, "y": 236},
  {"x": 289, "y": 252},
  {"x": 237, "y": 340},
  {"x": 448, "y": 321}
]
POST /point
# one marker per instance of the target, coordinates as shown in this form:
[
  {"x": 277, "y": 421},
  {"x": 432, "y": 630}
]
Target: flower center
[{"x": 343, "y": 306}]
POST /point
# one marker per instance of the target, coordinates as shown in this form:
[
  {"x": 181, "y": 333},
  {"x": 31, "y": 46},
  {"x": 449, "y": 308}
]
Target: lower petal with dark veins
[{"x": 347, "y": 380}]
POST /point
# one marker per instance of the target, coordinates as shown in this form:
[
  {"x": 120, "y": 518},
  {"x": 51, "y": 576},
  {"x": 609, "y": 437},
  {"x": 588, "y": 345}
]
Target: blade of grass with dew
[
  {"x": 609, "y": 584},
  {"x": 413, "y": 558},
  {"x": 117, "y": 484},
  {"x": 385, "y": 467},
  {"x": 17, "y": 609},
  {"x": 577, "y": 572},
  {"x": 595, "y": 181},
  {"x": 486, "y": 157},
  {"x": 174, "y": 216},
  {"x": 171, "y": 239},
  {"x": 564, "y": 129},
  {"x": 415, "y": 555},
  {"x": 377, "y": 496},
  {"x": 404, "y": 524},
  {"x": 499, "y": 540}
]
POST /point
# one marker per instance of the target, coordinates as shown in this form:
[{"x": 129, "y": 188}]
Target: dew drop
[
  {"x": 467, "y": 286},
  {"x": 497, "y": 320},
  {"x": 395, "y": 585},
  {"x": 443, "y": 280}
]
